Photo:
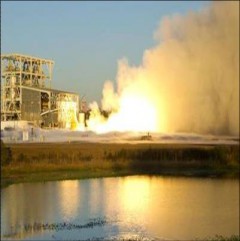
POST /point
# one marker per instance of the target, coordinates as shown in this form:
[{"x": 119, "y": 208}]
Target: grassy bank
[
  {"x": 30, "y": 162},
  {"x": 222, "y": 238}
]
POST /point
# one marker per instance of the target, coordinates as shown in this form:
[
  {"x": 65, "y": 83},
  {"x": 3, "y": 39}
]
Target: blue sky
[{"x": 85, "y": 38}]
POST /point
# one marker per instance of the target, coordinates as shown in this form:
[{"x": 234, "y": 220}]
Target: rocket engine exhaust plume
[{"x": 188, "y": 82}]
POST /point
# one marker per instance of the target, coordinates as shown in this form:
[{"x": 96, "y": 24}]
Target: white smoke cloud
[
  {"x": 110, "y": 98},
  {"x": 192, "y": 75}
]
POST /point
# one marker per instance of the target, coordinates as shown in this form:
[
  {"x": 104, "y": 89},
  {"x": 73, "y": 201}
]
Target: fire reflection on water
[
  {"x": 170, "y": 208},
  {"x": 69, "y": 194},
  {"x": 135, "y": 196}
]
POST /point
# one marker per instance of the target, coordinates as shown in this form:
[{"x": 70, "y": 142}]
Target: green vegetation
[{"x": 58, "y": 161}]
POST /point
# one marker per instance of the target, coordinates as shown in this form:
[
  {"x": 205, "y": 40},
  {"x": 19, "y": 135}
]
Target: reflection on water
[
  {"x": 124, "y": 207},
  {"x": 135, "y": 194},
  {"x": 68, "y": 196}
]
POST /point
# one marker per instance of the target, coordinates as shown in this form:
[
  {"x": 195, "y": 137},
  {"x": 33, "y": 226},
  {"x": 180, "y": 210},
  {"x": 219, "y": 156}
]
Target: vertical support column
[
  {"x": 30, "y": 70},
  {"x": 50, "y": 75},
  {"x": 20, "y": 87},
  {"x": 40, "y": 74},
  {"x": 49, "y": 100}
]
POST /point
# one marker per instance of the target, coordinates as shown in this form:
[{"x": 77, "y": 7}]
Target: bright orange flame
[{"x": 136, "y": 113}]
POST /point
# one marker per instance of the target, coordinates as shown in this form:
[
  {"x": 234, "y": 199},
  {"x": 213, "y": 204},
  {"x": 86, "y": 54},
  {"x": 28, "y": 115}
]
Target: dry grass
[{"x": 57, "y": 161}]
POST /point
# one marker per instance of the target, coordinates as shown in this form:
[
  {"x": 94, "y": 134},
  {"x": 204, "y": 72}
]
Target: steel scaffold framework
[{"x": 19, "y": 71}]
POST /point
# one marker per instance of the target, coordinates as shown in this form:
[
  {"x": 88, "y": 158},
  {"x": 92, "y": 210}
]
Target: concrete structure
[{"x": 26, "y": 93}]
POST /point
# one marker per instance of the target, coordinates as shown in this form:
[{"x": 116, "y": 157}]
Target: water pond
[{"x": 134, "y": 207}]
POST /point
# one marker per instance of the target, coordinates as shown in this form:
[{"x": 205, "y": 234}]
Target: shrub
[
  {"x": 22, "y": 158},
  {"x": 6, "y": 154}
]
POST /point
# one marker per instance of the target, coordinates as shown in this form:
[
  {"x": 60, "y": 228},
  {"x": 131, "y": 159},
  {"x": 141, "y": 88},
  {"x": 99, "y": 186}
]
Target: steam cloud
[{"x": 192, "y": 75}]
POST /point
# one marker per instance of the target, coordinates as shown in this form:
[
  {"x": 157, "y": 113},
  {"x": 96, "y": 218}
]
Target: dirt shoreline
[{"x": 33, "y": 162}]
